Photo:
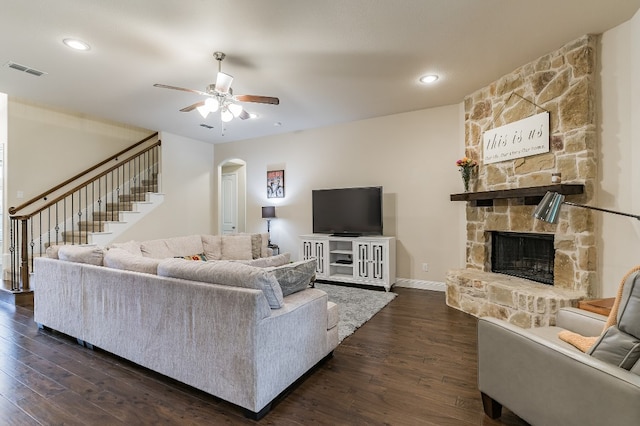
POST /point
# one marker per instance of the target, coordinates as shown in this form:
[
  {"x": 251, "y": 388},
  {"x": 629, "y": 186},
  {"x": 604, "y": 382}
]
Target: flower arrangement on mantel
[{"x": 466, "y": 166}]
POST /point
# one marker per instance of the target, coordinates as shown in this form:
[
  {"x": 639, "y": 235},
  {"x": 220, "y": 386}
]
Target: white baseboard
[{"x": 420, "y": 284}]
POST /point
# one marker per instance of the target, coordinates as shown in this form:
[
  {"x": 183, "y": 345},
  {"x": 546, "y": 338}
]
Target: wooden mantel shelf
[{"x": 532, "y": 194}]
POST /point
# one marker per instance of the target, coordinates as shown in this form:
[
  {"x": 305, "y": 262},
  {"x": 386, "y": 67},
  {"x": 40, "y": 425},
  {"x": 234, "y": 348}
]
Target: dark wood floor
[{"x": 414, "y": 363}]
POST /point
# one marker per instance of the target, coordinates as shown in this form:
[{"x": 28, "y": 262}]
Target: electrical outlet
[{"x": 425, "y": 267}]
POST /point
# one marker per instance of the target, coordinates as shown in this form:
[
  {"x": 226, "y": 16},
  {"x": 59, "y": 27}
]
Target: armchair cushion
[{"x": 617, "y": 347}]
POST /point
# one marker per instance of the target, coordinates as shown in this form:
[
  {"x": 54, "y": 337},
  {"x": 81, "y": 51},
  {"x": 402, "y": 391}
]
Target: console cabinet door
[
  {"x": 316, "y": 249},
  {"x": 370, "y": 260}
]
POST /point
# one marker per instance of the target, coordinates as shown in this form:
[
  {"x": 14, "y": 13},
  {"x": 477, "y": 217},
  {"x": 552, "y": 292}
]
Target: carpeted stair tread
[
  {"x": 121, "y": 206},
  {"x": 91, "y": 226},
  {"x": 132, "y": 197}
]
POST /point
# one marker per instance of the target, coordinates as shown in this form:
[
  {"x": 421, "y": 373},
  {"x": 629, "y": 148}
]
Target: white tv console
[{"x": 368, "y": 260}]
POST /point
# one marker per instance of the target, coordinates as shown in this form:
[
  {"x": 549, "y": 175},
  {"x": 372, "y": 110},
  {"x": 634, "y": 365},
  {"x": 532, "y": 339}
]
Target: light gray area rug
[{"x": 356, "y": 305}]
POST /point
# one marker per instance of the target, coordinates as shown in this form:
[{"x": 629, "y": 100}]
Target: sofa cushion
[
  {"x": 333, "y": 315},
  {"x": 52, "y": 251},
  {"x": 264, "y": 245},
  {"x": 170, "y": 247},
  {"x": 132, "y": 247},
  {"x": 212, "y": 246},
  {"x": 118, "y": 258},
  {"x": 82, "y": 254},
  {"x": 265, "y": 262},
  {"x": 225, "y": 273},
  {"x": 294, "y": 277},
  {"x": 236, "y": 247}
]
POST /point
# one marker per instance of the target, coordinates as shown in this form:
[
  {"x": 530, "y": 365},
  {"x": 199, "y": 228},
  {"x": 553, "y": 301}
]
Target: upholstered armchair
[{"x": 547, "y": 381}]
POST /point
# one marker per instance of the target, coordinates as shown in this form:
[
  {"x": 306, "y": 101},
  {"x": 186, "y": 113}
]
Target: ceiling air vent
[{"x": 24, "y": 68}]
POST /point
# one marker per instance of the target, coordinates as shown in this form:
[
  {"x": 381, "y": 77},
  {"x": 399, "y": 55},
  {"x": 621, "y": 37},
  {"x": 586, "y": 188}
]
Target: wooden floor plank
[{"x": 414, "y": 363}]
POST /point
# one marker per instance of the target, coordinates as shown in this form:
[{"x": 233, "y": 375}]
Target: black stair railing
[{"x": 70, "y": 211}]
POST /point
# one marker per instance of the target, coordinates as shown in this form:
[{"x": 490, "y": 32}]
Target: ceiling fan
[{"x": 220, "y": 97}]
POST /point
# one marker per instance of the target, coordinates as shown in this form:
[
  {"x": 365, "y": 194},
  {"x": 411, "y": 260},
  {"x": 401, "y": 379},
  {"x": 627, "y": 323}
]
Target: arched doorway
[{"x": 232, "y": 189}]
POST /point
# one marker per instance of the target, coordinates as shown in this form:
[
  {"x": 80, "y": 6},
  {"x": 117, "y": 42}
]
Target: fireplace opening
[{"x": 523, "y": 255}]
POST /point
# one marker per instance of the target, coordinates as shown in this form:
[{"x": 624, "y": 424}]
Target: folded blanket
[{"x": 585, "y": 342}]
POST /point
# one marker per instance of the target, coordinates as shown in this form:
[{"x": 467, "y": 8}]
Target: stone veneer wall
[{"x": 562, "y": 82}]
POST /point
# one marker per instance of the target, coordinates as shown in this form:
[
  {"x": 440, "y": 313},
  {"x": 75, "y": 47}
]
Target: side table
[{"x": 599, "y": 306}]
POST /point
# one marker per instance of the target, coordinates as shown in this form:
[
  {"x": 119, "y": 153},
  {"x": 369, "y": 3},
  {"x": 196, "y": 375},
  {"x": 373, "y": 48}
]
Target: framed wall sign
[
  {"x": 529, "y": 136},
  {"x": 275, "y": 184}
]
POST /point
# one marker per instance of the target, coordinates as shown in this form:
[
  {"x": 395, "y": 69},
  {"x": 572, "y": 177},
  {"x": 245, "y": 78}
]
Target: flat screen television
[{"x": 347, "y": 211}]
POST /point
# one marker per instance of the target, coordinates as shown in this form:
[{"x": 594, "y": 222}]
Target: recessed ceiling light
[
  {"x": 76, "y": 44},
  {"x": 253, "y": 115},
  {"x": 427, "y": 79}
]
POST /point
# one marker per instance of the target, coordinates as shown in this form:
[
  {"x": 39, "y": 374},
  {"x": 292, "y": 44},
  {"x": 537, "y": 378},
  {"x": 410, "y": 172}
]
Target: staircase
[
  {"x": 93, "y": 207},
  {"x": 118, "y": 216}
]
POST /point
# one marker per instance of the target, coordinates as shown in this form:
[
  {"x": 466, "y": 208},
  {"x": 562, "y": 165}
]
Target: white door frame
[{"x": 240, "y": 170}]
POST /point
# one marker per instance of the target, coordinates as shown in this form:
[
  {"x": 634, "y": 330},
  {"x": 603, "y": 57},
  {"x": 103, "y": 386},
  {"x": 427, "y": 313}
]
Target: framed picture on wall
[{"x": 275, "y": 184}]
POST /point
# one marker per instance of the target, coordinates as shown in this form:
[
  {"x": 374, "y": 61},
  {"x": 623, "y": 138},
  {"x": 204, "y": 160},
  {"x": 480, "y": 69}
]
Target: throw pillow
[
  {"x": 212, "y": 245},
  {"x": 294, "y": 277},
  {"x": 264, "y": 252},
  {"x": 256, "y": 242},
  {"x": 236, "y": 247},
  {"x": 200, "y": 256},
  {"x": 225, "y": 273},
  {"x": 92, "y": 255}
]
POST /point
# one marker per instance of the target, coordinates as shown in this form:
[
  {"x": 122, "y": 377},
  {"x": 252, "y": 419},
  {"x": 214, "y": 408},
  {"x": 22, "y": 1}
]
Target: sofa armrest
[
  {"x": 545, "y": 383},
  {"x": 580, "y": 321}
]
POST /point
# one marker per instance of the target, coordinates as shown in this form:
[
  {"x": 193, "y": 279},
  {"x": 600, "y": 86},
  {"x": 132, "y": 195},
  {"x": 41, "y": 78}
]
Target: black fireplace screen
[{"x": 527, "y": 256}]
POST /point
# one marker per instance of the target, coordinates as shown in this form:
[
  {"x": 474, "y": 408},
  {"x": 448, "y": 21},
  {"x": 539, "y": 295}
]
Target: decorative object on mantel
[
  {"x": 522, "y": 138},
  {"x": 549, "y": 208},
  {"x": 467, "y": 166}
]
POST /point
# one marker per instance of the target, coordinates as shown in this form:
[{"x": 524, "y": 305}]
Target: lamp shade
[
  {"x": 549, "y": 208},
  {"x": 269, "y": 212}
]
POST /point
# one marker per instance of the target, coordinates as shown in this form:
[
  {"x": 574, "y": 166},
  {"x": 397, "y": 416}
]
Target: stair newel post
[{"x": 24, "y": 255}]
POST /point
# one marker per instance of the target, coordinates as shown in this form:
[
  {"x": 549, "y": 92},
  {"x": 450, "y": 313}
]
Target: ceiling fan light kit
[{"x": 220, "y": 97}]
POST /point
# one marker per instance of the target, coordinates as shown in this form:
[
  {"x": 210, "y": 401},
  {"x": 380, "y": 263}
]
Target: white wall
[
  {"x": 44, "y": 145},
  {"x": 619, "y": 242},
  {"x": 411, "y": 155}
]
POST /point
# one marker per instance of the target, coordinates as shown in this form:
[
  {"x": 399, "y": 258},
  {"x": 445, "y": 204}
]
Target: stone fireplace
[
  {"x": 525, "y": 255},
  {"x": 563, "y": 83}
]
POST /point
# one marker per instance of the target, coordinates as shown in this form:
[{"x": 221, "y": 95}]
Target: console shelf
[
  {"x": 369, "y": 260},
  {"x": 532, "y": 195}
]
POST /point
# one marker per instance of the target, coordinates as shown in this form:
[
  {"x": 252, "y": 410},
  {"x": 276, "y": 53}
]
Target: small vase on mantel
[
  {"x": 466, "y": 177},
  {"x": 466, "y": 166}
]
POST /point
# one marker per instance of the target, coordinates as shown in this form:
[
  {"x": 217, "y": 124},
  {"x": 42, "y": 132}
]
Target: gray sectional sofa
[{"x": 222, "y": 326}]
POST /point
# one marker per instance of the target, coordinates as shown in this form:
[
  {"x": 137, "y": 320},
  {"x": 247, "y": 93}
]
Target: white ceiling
[{"x": 329, "y": 61}]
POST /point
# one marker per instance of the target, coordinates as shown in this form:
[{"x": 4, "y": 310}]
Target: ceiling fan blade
[
  {"x": 258, "y": 99},
  {"x": 192, "y": 107},
  {"x": 223, "y": 82},
  {"x": 164, "y": 86}
]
